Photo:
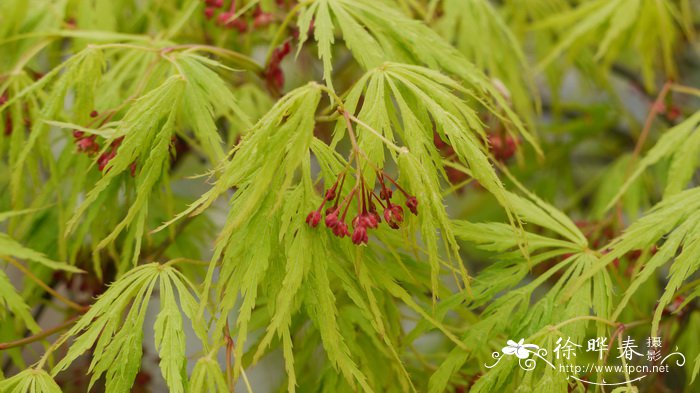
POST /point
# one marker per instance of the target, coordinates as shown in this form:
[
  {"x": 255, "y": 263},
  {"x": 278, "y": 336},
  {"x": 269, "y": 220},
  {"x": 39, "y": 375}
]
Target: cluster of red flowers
[
  {"x": 229, "y": 20},
  {"x": 367, "y": 217},
  {"x": 88, "y": 144},
  {"x": 503, "y": 147}
]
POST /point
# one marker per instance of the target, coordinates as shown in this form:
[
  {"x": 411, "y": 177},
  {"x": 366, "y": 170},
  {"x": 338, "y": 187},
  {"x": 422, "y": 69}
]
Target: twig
[
  {"x": 229, "y": 356},
  {"x": 43, "y": 285},
  {"x": 38, "y": 336},
  {"x": 656, "y": 108}
]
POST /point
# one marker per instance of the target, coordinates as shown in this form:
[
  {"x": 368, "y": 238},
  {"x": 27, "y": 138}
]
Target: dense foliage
[{"x": 347, "y": 195}]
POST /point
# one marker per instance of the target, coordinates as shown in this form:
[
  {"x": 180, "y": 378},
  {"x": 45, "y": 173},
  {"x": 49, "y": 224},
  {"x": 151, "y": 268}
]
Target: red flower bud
[
  {"x": 370, "y": 220},
  {"x": 225, "y": 20},
  {"x": 313, "y": 218},
  {"x": 105, "y": 158},
  {"x": 340, "y": 229},
  {"x": 209, "y": 12},
  {"x": 88, "y": 145},
  {"x": 94, "y": 114},
  {"x": 262, "y": 19},
  {"x": 412, "y": 204},
  {"x": 393, "y": 216},
  {"x": 359, "y": 235},
  {"x": 502, "y": 147},
  {"x": 385, "y": 194},
  {"x": 332, "y": 218},
  {"x": 214, "y": 3}
]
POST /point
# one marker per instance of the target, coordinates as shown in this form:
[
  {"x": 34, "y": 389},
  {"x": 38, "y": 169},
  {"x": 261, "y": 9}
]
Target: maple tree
[{"x": 178, "y": 179}]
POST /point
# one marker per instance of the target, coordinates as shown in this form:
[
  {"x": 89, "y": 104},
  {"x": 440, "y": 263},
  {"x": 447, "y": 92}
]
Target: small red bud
[
  {"x": 209, "y": 12},
  {"x": 370, "y": 220},
  {"x": 332, "y": 218},
  {"x": 673, "y": 113},
  {"x": 214, "y": 3},
  {"x": 393, "y": 216},
  {"x": 262, "y": 19},
  {"x": 313, "y": 218},
  {"x": 502, "y": 147},
  {"x": 340, "y": 229},
  {"x": 104, "y": 159},
  {"x": 439, "y": 143},
  {"x": 359, "y": 235},
  {"x": 94, "y": 114},
  {"x": 385, "y": 194},
  {"x": 412, "y": 204}
]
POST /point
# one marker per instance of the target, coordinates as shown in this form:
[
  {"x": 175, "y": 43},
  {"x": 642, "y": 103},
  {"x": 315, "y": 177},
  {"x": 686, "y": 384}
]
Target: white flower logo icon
[{"x": 519, "y": 349}]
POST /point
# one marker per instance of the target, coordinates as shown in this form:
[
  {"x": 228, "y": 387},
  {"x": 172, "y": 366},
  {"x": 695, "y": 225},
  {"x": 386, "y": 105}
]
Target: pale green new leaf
[
  {"x": 375, "y": 33},
  {"x": 30, "y": 380},
  {"x": 117, "y": 339},
  {"x": 496, "y": 50},
  {"x": 207, "y": 377},
  {"x": 674, "y": 142},
  {"x": 12, "y": 301},
  {"x": 10, "y": 247}
]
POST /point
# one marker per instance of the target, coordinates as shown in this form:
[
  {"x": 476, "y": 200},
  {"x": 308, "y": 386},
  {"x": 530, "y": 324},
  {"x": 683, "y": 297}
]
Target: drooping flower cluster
[
  {"x": 88, "y": 144},
  {"x": 502, "y": 147},
  {"x": 368, "y": 216},
  {"x": 230, "y": 20}
]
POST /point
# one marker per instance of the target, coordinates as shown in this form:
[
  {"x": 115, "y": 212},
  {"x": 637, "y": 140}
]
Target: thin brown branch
[
  {"x": 39, "y": 336},
  {"x": 43, "y": 285}
]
